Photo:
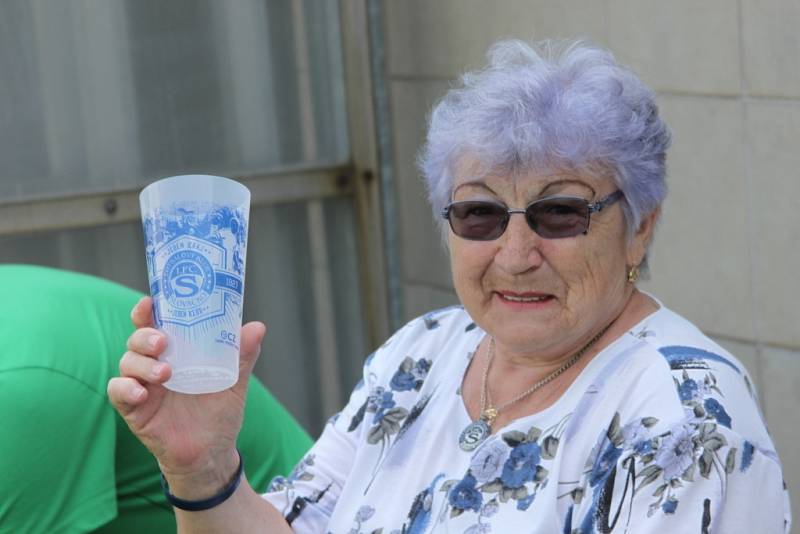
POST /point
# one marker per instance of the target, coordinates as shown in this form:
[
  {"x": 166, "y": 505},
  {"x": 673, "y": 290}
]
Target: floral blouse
[{"x": 659, "y": 433}]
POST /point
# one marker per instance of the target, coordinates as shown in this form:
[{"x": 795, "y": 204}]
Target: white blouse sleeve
[
  {"x": 694, "y": 477},
  {"x": 308, "y": 495}
]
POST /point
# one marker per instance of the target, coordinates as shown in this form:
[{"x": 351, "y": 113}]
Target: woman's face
[{"x": 544, "y": 297}]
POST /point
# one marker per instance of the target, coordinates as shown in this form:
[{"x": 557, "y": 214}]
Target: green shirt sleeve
[{"x": 56, "y": 453}]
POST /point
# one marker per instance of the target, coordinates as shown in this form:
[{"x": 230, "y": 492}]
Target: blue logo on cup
[
  {"x": 187, "y": 279},
  {"x": 192, "y": 284},
  {"x": 195, "y": 262}
]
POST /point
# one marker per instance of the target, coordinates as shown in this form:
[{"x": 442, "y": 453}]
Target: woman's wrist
[
  {"x": 206, "y": 503},
  {"x": 205, "y": 480}
]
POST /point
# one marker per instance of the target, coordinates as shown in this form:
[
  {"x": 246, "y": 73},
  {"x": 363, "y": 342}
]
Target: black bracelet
[{"x": 211, "y": 502}]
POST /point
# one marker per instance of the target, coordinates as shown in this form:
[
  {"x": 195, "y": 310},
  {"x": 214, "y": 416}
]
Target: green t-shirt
[{"x": 68, "y": 462}]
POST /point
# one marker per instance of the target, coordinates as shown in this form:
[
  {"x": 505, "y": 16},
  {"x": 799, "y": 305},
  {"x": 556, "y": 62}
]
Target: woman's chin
[{"x": 524, "y": 323}]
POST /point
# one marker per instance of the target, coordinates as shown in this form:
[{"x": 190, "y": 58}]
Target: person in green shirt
[{"x": 68, "y": 462}]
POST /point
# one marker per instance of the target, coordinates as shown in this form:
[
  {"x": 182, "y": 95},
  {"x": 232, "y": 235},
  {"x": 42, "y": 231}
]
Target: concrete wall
[{"x": 727, "y": 73}]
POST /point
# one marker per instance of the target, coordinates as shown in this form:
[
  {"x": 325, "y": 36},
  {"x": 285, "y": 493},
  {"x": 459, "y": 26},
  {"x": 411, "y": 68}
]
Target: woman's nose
[{"x": 519, "y": 246}]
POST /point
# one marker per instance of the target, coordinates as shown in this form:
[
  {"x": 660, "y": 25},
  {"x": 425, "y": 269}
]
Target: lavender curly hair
[{"x": 564, "y": 106}]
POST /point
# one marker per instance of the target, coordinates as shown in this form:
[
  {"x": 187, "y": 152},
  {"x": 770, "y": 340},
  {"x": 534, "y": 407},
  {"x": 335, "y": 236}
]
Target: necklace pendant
[
  {"x": 474, "y": 434},
  {"x": 489, "y": 415}
]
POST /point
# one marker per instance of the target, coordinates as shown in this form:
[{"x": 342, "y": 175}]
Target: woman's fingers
[
  {"x": 252, "y": 334},
  {"x": 147, "y": 341},
  {"x": 137, "y": 404},
  {"x": 144, "y": 368},
  {"x": 125, "y": 394},
  {"x": 142, "y": 313}
]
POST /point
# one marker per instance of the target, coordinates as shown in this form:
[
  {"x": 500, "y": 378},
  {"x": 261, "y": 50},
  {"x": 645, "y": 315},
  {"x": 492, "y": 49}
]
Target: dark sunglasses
[{"x": 551, "y": 217}]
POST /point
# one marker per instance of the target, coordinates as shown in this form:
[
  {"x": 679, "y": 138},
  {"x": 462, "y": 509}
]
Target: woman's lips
[{"x": 527, "y": 300}]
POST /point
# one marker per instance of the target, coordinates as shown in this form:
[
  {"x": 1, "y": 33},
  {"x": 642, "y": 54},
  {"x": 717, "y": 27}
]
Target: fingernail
[
  {"x": 158, "y": 369},
  {"x": 137, "y": 394},
  {"x": 153, "y": 340}
]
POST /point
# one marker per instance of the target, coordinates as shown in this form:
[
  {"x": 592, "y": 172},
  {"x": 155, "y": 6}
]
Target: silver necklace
[{"x": 477, "y": 431}]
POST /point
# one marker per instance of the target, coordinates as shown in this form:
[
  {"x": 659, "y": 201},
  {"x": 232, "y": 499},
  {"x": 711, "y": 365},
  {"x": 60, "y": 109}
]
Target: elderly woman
[{"x": 558, "y": 398}]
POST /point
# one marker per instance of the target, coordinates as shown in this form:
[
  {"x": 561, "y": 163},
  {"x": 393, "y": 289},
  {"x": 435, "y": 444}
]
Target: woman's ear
[{"x": 641, "y": 239}]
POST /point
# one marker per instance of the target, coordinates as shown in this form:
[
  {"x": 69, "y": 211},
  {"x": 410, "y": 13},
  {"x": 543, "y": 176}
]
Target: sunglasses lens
[
  {"x": 558, "y": 217},
  {"x": 477, "y": 220}
]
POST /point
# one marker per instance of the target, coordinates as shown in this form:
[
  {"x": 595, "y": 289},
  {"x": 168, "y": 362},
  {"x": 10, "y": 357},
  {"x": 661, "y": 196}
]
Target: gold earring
[{"x": 633, "y": 274}]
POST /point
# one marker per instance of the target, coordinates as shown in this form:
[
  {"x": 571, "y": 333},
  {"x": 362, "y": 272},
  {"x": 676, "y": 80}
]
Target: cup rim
[{"x": 186, "y": 177}]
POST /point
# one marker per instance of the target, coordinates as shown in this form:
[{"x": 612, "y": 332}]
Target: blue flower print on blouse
[
  {"x": 604, "y": 462},
  {"x": 682, "y": 357},
  {"x": 676, "y": 453},
  {"x": 503, "y": 471},
  {"x": 379, "y": 402},
  {"x": 747, "y": 456},
  {"x": 488, "y": 461},
  {"x": 419, "y": 517},
  {"x": 430, "y": 318},
  {"x": 688, "y": 390},
  {"x": 697, "y": 396},
  {"x": 670, "y": 505},
  {"x": 693, "y": 447},
  {"x": 643, "y": 447},
  {"x": 430, "y": 322},
  {"x": 601, "y": 469},
  {"x": 689, "y": 448},
  {"x": 521, "y": 465},
  {"x": 391, "y": 420},
  {"x": 465, "y": 496},
  {"x": 717, "y": 411},
  {"x": 410, "y": 374},
  {"x": 414, "y": 414},
  {"x": 301, "y": 472}
]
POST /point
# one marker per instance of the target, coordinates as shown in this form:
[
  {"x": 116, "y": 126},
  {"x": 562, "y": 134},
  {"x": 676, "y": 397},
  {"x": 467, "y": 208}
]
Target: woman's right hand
[{"x": 192, "y": 436}]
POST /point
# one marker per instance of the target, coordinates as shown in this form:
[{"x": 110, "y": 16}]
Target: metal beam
[
  {"x": 364, "y": 150},
  {"x": 96, "y": 209}
]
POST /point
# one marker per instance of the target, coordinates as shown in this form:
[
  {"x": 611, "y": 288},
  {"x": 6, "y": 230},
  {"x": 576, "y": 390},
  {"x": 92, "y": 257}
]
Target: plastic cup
[{"x": 195, "y": 230}]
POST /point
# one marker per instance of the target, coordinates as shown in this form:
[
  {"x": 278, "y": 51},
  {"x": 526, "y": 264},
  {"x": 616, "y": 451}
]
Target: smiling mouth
[{"x": 512, "y": 297}]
